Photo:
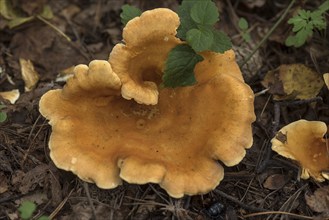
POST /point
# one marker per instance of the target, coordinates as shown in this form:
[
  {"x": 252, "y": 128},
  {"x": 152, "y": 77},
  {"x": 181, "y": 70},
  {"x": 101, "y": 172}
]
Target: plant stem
[
  {"x": 54, "y": 27},
  {"x": 268, "y": 34}
]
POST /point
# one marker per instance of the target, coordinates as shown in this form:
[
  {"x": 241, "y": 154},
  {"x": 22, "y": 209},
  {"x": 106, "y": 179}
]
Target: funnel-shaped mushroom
[
  {"x": 176, "y": 143},
  {"x": 140, "y": 61},
  {"x": 304, "y": 142}
]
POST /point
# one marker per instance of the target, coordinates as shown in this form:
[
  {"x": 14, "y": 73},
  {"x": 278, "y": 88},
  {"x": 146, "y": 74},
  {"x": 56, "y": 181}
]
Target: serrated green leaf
[
  {"x": 47, "y": 13},
  {"x": 186, "y": 22},
  {"x": 299, "y": 25},
  {"x": 318, "y": 20},
  {"x": 205, "y": 13},
  {"x": 26, "y": 209},
  {"x": 243, "y": 24},
  {"x": 304, "y": 14},
  {"x": 129, "y": 12},
  {"x": 200, "y": 39},
  {"x": 324, "y": 6},
  {"x": 179, "y": 67},
  {"x": 221, "y": 43}
]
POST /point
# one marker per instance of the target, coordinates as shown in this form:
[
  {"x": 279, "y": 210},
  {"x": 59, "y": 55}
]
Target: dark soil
[{"x": 94, "y": 26}]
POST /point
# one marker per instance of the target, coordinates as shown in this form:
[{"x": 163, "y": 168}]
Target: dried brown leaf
[
  {"x": 29, "y": 75},
  {"x": 275, "y": 181},
  {"x": 33, "y": 178},
  {"x": 293, "y": 81},
  {"x": 319, "y": 201},
  {"x": 11, "y": 96}
]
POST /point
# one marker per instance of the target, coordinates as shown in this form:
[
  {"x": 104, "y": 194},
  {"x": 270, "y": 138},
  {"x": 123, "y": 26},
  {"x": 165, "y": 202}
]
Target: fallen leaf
[
  {"x": 47, "y": 50},
  {"x": 29, "y": 75},
  {"x": 293, "y": 81},
  {"x": 11, "y": 96},
  {"x": 326, "y": 79},
  {"x": 319, "y": 201},
  {"x": 275, "y": 181},
  {"x": 3, "y": 183},
  {"x": 33, "y": 178}
]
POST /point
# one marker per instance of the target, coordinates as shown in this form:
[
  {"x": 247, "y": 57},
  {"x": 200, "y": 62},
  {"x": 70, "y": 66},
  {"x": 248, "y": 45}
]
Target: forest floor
[{"x": 263, "y": 186}]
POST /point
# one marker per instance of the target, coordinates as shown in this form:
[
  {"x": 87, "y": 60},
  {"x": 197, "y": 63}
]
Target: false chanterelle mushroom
[
  {"x": 172, "y": 137},
  {"x": 304, "y": 142}
]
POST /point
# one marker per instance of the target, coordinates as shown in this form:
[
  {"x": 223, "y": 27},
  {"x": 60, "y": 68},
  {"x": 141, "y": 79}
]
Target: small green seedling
[
  {"x": 26, "y": 210},
  {"x": 244, "y": 26},
  {"x": 3, "y": 115},
  {"x": 304, "y": 24},
  {"x": 197, "y": 20}
]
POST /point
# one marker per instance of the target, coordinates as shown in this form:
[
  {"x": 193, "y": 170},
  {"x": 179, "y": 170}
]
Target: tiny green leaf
[
  {"x": 221, "y": 42},
  {"x": 129, "y": 12},
  {"x": 200, "y": 39},
  {"x": 179, "y": 67},
  {"x": 324, "y": 7},
  {"x": 205, "y": 13},
  {"x": 44, "y": 218},
  {"x": 3, "y": 117},
  {"x": 47, "y": 13},
  {"x": 243, "y": 24},
  {"x": 26, "y": 209}
]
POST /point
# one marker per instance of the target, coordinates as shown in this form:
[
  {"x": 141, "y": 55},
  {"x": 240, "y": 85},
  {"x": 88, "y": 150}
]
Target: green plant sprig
[
  {"x": 304, "y": 24},
  {"x": 26, "y": 210},
  {"x": 197, "y": 20}
]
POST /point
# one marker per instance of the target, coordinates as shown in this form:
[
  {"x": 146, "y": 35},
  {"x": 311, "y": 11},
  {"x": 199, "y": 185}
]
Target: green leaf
[
  {"x": 44, "y": 218},
  {"x": 19, "y": 20},
  {"x": 129, "y": 12},
  {"x": 290, "y": 41},
  {"x": 179, "y": 67},
  {"x": 186, "y": 22},
  {"x": 324, "y": 7},
  {"x": 246, "y": 37},
  {"x": 298, "y": 25},
  {"x": 243, "y": 24},
  {"x": 200, "y": 39},
  {"x": 221, "y": 42},
  {"x": 47, "y": 12},
  {"x": 26, "y": 209},
  {"x": 3, "y": 117},
  {"x": 205, "y": 13}
]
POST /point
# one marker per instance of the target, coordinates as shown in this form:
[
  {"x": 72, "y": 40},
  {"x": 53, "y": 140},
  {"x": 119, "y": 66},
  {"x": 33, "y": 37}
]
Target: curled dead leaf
[
  {"x": 11, "y": 96},
  {"x": 29, "y": 74}
]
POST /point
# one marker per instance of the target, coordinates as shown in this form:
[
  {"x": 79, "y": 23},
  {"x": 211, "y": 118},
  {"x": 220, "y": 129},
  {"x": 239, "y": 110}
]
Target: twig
[
  {"x": 60, "y": 206},
  {"x": 278, "y": 212},
  {"x": 54, "y": 27},
  {"x": 85, "y": 186},
  {"x": 268, "y": 34},
  {"x": 243, "y": 205}
]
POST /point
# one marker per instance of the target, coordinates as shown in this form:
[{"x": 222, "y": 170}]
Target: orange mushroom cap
[
  {"x": 176, "y": 142},
  {"x": 148, "y": 40},
  {"x": 303, "y": 141}
]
